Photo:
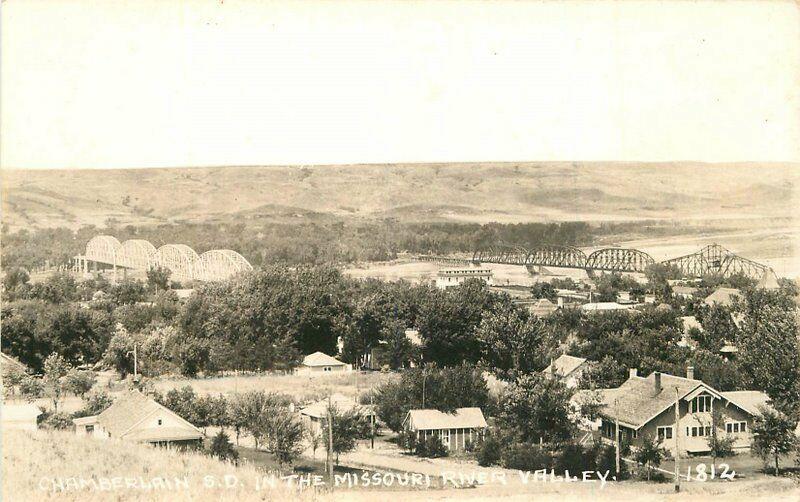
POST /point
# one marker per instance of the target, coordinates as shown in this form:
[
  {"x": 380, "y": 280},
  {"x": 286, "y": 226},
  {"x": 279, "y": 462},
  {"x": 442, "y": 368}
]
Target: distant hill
[{"x": 505, "y": 192}]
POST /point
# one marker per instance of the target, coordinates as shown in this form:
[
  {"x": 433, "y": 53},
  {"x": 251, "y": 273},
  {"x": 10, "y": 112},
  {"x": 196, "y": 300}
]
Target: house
[
  {"x": 722, "y": 296},
  {"x": 139, "y": 418},
  {"x": 768, "y": 280},
  {"x": 685, "y": 292},
  {"x": 454, "y": 429},
  {"x": 568, "y": 369},
  {"x": 604, "y": 306},
  {"x": 542, "y": 307},
  {"x": 646, "y": 406},
  {"x": 450, "y": 278},
  {"x": 319, "y": 362},
  {"x": 316, "y": 413},
  {"x": 6, "y": 360},
  {"x": 23, "y": 416}
]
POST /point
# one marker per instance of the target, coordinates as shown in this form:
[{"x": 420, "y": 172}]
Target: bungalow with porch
[
  {"x": 646, "y": 406},
  {"x": 139, "y": 418},
  {"x": 320, "y": 363},
  {"x": 454, "y": 429}
]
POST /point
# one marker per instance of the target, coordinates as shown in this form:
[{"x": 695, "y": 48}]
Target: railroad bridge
[{"x": 713, "y": 259}]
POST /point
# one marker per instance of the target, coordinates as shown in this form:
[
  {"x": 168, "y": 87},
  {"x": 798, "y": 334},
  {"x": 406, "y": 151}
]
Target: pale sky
[{"x": 187, "y": 83}]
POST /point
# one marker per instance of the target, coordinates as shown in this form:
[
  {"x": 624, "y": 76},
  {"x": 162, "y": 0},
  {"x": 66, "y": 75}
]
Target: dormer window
[{"x": 701, "y": 404}]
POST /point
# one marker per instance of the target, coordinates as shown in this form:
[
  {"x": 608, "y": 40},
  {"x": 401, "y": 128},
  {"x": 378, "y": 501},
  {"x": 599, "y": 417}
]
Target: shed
[{"x": 454, "y": 429}]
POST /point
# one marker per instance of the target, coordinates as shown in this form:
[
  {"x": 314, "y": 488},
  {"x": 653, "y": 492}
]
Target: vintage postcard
[{"x": 350, "y": 250}]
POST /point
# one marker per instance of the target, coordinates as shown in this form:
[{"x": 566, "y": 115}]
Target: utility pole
[
  {"x": 677, "y": 447},
  {"x": 372, "y": 421},
  {"x": 616, "y": 434},
  {"x": 329, "y": 459}
]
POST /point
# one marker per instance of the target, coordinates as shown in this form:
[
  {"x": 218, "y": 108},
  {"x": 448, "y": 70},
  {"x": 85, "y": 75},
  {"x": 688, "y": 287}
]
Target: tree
[
  {"x": 489, "y": 450},
  {"x": 769, "y": 350},
  {"x": 13, "y": 376},
  {"x": 14, "y": 277},
  {"x": 511, "y": 340},
  {"x": 222, "y": 448},
  {"x": 79, "y": 382},
  {"x": 544, "y": 290},
  {"x": 94, "y": 404},
  {"x": 773, "y": 435},
  {"x": 348, "y": 426},
  {"x": 55, "y": 369},
  {"x": 119, "y": 353},
  {"x": 606, "y": 374},
  {"x": 251, "y": 411},
  {"x": 158, "y": 278},
  {"x": 537, "y": 408},
  {"x": 650, "y": 453},
  {"x": 314, "y": 438},
  {"x": 127, "y": 292},
  {"x": 31, "y": 388},
  {"x": 284, "y": 435}
]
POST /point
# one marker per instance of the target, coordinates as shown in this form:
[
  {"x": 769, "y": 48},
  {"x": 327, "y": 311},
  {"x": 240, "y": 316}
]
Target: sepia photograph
[{"x": 400, "y": 250}]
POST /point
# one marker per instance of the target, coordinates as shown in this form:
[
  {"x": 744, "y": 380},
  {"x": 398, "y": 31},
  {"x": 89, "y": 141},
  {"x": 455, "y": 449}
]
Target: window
[
  {"x": 734, "y": 427},
  {"x": 326, "y": 368},
  {"x": 664, "y": 433},
  {"x": 701, "y": 404},
  {"x": 446, "y": 438},
  {"x": 159, "y": 421},
  {"x": 698, "y": 431},
  {"x": 89, "y": 429}
]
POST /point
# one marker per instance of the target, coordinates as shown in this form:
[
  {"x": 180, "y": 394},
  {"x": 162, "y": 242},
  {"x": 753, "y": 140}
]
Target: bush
[
  {"x": 431, "y": 447},
  {"x": 721, "y": 447},
  {"x": 56, "y": 421},
  {"x": 575, "y": 458},
  {"x": 526, "y": 457},
  {"x": 407, "y": 440},
  {"x": 489, "y": 451},
  {"x": 606, "y": 462},
  {"x": 222, "y": 448}
]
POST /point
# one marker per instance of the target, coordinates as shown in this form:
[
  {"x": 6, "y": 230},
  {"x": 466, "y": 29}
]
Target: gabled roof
[
  {"x": 340, "y": 402},
  {"x": 131, "y": 409},
  {"x": 635, "y": 402},
  {"x": 722, "y": 296},
  {"x": 321, "y": 359},
  {"x": 6, "y": 359},
  {"x": 683, "y": 290},
  {"x": 769, "y": 280},
  {"x": 748, "y": 400},
  {"x": 564, "y": 365},
  {"x": 462, "y": 418}
]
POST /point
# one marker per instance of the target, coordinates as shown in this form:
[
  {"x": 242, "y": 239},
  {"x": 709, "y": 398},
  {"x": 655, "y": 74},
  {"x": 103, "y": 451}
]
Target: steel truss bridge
[
  {"x": 181, "y": 260},
  {"x": 713, "y": 259}
]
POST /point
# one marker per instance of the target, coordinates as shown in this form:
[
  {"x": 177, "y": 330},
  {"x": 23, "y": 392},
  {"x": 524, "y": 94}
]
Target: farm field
[{"x": 300, "y": 387}]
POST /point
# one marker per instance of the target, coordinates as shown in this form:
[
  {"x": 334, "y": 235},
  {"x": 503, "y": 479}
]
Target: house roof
[
  {"x": 604, "y": 306},
  {"x": 19, "y": 412},
  {"x": 340, "y": 402},
  {"x": 321, "y": 359},
  {"x": 769, "y": 280},
  {"x": 690, "y": 322},
  {"x": 462, "y": 418},
  {"x": 413, "y": 336},
  {"x": 635, "y": 402},
  {"x": 683, "y": 290},
  {"x": 6, "y": 359},
  {"x": 748, "y": 400},
  {"x": 129, "y": 410},
  {"x": 542, "y": 306},
  {"x": 564, "y": 365},
  {"x": 723, "y": 296}
]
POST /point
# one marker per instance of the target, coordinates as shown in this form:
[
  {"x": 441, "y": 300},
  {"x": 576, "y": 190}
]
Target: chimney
[
  {"x": 657, "y": 382},
  {"x": 690, "y": 372},
  {"x": 633, "y": 372}
]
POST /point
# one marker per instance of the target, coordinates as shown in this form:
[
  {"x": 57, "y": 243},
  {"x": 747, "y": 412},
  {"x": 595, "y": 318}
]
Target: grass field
[
  {"x": 61, "y": 466},
  {"x": 300, "y": 387}
]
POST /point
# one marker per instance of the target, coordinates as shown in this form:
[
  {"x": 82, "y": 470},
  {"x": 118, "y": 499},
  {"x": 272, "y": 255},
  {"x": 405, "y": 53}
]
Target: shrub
[
  {"x": 575, "y": 458},
  {"x": 526, "y": 457},
  {"x": 222, "y": 448},
  {"x": 431, "y": 447},
  {"x": 407, "y": 440},
  {"x": 57, "y": 421},
  {"x": 606, "y": 462},
  {"x": 721, "y": 446},
  {"x": 489, "y": 451}
]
